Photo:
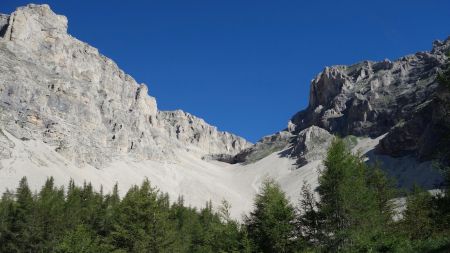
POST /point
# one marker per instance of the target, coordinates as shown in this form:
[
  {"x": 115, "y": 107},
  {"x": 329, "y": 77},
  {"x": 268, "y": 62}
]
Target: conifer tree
[
  {"x": 271, "y": 224},
  {"x": 384, "y": 190},
  {"x": 349, "y": 207},
  {"x": 8, "y": 237},
  {"x": 141, "y": 224},
  {"x": 23, "y": 220},
  {"x": 417, "y": 220},
  {"x": 48, "y": 216},
  {"x": 309, "y": 219},
  {"x": 79, "y": 240}
]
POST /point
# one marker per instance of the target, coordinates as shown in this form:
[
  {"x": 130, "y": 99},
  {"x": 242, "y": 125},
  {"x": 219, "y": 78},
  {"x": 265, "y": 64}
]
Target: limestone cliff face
[
  {"x": 189, "y": 129},
  {"x": 62, "y": 91}
]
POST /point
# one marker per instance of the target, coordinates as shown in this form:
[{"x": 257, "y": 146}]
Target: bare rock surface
[
  {"x": 311, "y": 144},
  {"x": 369, "y": 99},
  {"x": 264, "y": 147},
  {"x": 62, "y": 91}
]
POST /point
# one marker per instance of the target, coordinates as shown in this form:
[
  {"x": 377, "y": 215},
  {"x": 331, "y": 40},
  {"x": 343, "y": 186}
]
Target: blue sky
[{"x": 245, "y": 66}]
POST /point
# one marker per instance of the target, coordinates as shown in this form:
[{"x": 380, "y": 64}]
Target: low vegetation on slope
[{"x": 355, "y": 214}]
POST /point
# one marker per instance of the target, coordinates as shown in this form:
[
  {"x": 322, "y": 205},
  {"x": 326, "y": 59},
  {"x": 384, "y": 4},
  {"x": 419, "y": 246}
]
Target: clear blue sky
[{"x": 245, "y": 66}]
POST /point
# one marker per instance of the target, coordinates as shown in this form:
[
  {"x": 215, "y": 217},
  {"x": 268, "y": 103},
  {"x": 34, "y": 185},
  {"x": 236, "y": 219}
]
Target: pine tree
[
  {"x": 206, "y": 236},
  {"x": 271, "y": 224},
  {"x": 417, "y": 221},
  {"x": 142, "y": 221},
  {"x": 441, "y": 213},
  {"x": 80, "y": 240},
  {"x": 110, "y": 208},
  {"x": 23, "y": 222},
  {"x": 48, "y": 216},
  {"x": 8, "y": 237},
  {"x": 245, "y": 241},
  {"x": 441, "y": 204},
  {"x": 226, "y": 234},
  {"x": 349, "y": 207},
  {"x": 309, "y": 219},
  {"x": 183, "y": 219},
  {"x": 384, "y": 190}
]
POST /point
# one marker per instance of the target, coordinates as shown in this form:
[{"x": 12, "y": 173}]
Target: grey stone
[
  {"x": 264, "y": 147},
  {"x": 311, "y": 144},
  {"x": 401, "y": 98},
  {"x": 425, "y": 134},
  {"x": 62, "y": 91},
  {"x": 369, "y": 98}
]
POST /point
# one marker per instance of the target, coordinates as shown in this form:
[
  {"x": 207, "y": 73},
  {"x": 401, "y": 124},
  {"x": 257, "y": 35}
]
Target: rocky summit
[
  {"x": 400, "y": 100},
  {"x": 69, "y": 112},
  {"x": 60, "y": 90}
]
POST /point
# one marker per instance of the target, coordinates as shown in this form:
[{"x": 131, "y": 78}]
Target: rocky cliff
[
  {"x": 62, "y": 91},
  {"x": 400, "y": 100}
]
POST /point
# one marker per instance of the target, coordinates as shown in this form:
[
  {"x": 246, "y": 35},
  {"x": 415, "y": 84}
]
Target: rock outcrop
[
  {"x": 62, "y": 91},
  {"x": 401, "y": 98},
  {"x": 369, "y": 98},
  {"x": 311, "y": 144},
  {"x": 264, "y": 147},
  {"x": 189, "y": 129}
]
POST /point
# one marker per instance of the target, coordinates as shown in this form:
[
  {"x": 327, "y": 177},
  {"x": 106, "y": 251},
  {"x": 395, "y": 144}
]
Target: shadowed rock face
[
  {"x": 425, "y": 133},
  {"x": 62, "y": 91},
  {"x": 3, "y": 23},
  {"x": 266, "y": 146}
]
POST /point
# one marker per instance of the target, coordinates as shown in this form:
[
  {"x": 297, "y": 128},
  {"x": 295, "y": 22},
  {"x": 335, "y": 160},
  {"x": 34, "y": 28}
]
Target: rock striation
[{"x": 60, "y": 90}]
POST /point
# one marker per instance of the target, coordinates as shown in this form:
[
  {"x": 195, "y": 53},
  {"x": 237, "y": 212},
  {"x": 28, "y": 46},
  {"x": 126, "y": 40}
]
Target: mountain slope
[{"x": 69, "y": 112}]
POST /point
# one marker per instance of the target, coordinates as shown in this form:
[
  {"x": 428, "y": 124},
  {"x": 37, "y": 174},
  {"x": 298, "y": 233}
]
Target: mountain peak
[
  {"x": 33, "y": 24},
  {"x": 63, "y": 92}
]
